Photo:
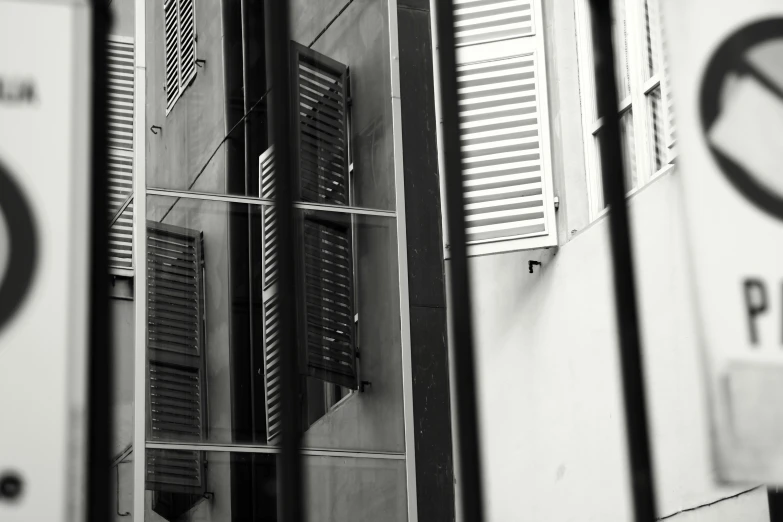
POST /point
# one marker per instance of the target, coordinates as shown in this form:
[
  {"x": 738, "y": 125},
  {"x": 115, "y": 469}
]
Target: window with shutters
[
  {"x": 175, "y": 348},
  {"x": 179, "y": 19},
  {"x": 325, "y": 241},
  {"x": 120, "y": 99},
  {"x": 645, "y": 109},
  {"x": 504, "y": 126}
]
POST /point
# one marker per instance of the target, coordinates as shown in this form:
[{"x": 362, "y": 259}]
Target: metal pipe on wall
[
  {"x": 459, "y": 284},
  {"x": 610, "y": 149}
]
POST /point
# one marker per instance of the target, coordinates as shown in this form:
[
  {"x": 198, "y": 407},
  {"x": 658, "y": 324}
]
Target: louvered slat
[
  {"x": 179, "y": 471},
  {"x": 174, "y": 289},
  {"x": 479, "y": 21},
  {"x": 500, "y": 132},
  {"x": 120, "y": 187},
  {"x": 321, "y": 102},
  {"x": 329, "y": 309},
  {"x": 175, "y": 403},
  {"x": 120, "y": 94},
  {"x": 266, "y": 185},
  {"x": 272, "y": 366}
]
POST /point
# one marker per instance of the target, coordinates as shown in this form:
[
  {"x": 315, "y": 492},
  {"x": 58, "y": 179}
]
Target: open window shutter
[
  {"x": 320, "y": 101},
  {"x": 326, "y": 308},
  {"x": 504, "y": 126},
  {"x": 120, "y": 151},
  {"x": 266, "y": 183},
  {"x": 179, "y": 20},
  {"x": 668, "y": 102},
  {"x": 171, "y": 35},
  {"x": 329, "y": 340},
  {"x": 175, "y": 346},
  {"x": 187, "y": 30}
]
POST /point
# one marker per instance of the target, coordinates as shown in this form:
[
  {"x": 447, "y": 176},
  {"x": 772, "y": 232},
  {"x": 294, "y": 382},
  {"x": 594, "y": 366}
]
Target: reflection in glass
[
  {"x": 657, "y": 131},
  {"x": 242, "y": 486},
  {"x": 213, "y": 343},
  {"x": 620, "y": 38}
]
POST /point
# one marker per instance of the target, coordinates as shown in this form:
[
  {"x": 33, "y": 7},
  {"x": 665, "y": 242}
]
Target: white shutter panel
[
  {"x": 479, "y": 21},
  {"x": 272, "y": 390},
  {"x": 187, "y": 41},
  {"x": 120, "y": 92},
  {"x": 171, "y": 35},
  {"x": 120, "y": 101},
  {"x": 504, "y": 126},
  {"x": 120, "y": 187},
  {"x": 179, "y": 21}
]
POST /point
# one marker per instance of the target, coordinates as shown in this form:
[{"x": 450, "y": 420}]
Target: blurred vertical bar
[
  {"x": 290, "y": 468},
  {"x": 459, "y": 284},
  {"x": 624, "y": 284},
  {"x": 100, "y": 364}
]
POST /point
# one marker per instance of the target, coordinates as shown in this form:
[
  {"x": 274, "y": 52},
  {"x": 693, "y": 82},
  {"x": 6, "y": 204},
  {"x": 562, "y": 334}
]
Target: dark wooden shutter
[
  {"x": 175, "y": 344},
  {"x": 326, "y": 308},
  {"x": 320, "y": 102},
  {"x": 327, "y": 311}
]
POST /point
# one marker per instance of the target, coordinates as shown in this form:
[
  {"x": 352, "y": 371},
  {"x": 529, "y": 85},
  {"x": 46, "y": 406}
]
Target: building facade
[{"x": 193, "y": 265}]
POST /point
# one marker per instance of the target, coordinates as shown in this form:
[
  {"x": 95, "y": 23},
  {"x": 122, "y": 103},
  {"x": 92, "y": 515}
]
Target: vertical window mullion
[
  {"x": 589, "y": 112},
  {"x": 636, "y": 66}
]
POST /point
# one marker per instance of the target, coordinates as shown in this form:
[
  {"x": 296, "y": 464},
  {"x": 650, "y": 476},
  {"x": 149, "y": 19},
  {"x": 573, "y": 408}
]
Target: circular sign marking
[
  {"x": 23, "y": 245},
  {"x": 742, "y": 112}
]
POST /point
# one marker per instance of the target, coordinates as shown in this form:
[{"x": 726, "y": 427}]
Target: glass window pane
[
  {"x": 345, "y": 119},
  {"x": 629, "y": 154},
  {"x": 652, "y": 33},
  {"x": 212, "y": 339},
  {"x": 243, "y": 486}
]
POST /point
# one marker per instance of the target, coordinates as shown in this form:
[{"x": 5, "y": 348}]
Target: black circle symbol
[
  {"x": 10, "y": 486},
  {"x": 749, "y": 62},
  {"x": 23, "y": 246}
]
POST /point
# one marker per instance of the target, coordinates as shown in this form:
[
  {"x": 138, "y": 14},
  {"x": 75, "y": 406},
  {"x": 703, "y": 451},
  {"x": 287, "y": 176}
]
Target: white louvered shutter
[
  {"x": 504, "y": 126},
  {"x": 179, "y": 22},
  {"x": 271, "y": 337},
  {"x": 120, "y": 101}
]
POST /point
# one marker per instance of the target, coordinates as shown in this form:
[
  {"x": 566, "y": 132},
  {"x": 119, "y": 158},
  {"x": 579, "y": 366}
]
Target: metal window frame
[
  {"x": 140, "y": 253},
  {"x": 637, "y": 101}
]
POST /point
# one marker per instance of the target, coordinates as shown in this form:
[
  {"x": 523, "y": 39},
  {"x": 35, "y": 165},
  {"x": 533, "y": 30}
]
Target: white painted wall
[{"x": 550, "y": 398}]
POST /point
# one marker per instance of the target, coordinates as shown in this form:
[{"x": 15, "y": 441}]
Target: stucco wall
[{"x": 550, "y": 399}]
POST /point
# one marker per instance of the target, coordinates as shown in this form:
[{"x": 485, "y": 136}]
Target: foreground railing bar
[
  {"x": 635, "y": 404},
  {"x": 459, "y": 285},
  {"x": 289, "y": 469}
]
